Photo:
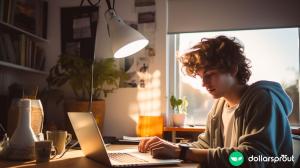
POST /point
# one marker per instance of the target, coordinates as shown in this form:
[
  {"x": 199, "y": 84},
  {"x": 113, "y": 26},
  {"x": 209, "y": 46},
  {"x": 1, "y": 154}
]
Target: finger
[
  {"x": 155, "y": 145},
  {"x": 141, "y": 146},
  {"x": 150, "y": 142}
]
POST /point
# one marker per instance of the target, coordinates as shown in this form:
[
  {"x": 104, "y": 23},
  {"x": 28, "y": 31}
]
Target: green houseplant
[
  {"x": 179, "y": 107},
  {"x": 76, "y": 71}
]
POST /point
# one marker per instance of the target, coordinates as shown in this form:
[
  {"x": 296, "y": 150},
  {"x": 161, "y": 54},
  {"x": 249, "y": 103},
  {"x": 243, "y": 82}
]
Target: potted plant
[
  {"x": 76, "y": 71},
  {"x": 179, "y": 107}
]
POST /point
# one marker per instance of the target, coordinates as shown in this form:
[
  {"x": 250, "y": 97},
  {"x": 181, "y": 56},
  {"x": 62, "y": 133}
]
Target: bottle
[{"x": 23, "y": 138}]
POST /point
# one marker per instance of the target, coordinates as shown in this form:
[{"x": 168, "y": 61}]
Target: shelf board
[
  {"x": 23, "y": 68},
  {"x": 12, "y": 27}
]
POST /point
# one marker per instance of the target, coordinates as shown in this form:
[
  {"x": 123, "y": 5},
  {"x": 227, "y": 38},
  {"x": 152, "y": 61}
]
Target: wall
[
  {"x": 125, "y": 104},
  {"x": 195, "y": 15}
]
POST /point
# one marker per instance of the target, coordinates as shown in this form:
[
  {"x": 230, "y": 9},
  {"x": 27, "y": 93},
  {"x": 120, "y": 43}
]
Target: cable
[
  {"x": 2, "y": 128},
  {"x": 81, "y": 3},
  {"x": 68, "y": 149}
]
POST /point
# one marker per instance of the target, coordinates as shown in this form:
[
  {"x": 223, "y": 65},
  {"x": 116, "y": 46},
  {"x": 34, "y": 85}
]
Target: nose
[{"x": 204, "y": 82}]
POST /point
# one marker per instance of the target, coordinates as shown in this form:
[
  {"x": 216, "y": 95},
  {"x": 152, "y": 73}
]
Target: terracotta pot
[
  {"x": 98, "y": 109},
  {"x": 178, "y": 120}
]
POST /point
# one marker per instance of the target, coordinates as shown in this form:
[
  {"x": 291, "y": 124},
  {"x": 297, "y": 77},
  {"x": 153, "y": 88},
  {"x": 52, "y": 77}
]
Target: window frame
[{"x": 172, "y": 71}]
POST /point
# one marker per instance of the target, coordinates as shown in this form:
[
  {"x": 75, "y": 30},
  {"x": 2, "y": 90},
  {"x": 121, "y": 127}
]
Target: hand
[{"x": 159, "y": 148}]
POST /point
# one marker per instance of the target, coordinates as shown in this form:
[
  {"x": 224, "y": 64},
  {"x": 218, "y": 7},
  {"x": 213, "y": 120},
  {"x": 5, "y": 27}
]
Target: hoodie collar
[{"x": 272, "y": 87}]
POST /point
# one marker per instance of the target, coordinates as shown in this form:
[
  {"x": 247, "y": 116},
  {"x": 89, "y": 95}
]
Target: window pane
[{"x": 274, "y": 55}]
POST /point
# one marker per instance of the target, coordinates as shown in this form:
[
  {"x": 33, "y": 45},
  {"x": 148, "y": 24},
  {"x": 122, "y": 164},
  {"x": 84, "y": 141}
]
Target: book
[
  {"x": 38, "y": 18},
  {"x": 11, "y": 54},
  {"x": 3, "y": 53},
  {"x": 17, "y": 49},
  {"x": 22, "y": 47},
  {"x": 11, "y": 11},
  {"x": 45, "y": 18},
  {"x": 1, "y": 10},
  {"x": 40, "y": 58}
]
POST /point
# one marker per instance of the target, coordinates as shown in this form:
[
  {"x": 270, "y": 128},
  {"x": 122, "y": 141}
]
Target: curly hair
[{"x": 220, "y": 53}]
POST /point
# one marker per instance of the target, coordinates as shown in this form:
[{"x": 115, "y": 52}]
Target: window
[{"x": 274, "y": 55}]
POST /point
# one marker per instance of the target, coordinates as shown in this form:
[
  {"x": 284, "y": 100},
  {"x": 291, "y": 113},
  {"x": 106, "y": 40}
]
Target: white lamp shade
[{"x": 125, "y": 40}]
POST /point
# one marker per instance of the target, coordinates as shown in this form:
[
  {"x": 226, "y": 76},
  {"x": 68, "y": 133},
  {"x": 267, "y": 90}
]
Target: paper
[{"x": 132, "y": 139}]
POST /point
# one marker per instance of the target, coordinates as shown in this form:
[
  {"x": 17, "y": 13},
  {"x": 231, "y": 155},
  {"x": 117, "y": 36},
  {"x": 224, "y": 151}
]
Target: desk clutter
[
  {"x": 114, "y": 140},
  {"x": 26, "y": 143},
  {"x": 21, "y": 144}
]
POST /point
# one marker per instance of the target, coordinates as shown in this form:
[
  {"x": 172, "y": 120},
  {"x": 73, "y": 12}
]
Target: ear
[{"x": 234, "y": 70}]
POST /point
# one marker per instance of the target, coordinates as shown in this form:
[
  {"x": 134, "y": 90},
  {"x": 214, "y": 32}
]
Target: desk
[
  {"x": 76, "y": 159},
  {"x": 173, "y": 130}
]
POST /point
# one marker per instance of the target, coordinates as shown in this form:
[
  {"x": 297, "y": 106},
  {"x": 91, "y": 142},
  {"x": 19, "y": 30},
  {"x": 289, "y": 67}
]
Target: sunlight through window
[{"x": 274, "y": 55}]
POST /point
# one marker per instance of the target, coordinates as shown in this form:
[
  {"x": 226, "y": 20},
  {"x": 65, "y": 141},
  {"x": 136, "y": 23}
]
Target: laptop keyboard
[{"x": 125, "y": 158}]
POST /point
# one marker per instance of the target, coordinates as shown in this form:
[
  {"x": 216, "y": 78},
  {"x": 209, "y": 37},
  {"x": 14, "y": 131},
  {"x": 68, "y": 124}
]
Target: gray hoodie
[{"x": 261, "y": 127}]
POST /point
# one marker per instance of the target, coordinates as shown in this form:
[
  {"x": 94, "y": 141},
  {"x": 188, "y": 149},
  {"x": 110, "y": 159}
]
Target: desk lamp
[{"x": 125, "y": 40}]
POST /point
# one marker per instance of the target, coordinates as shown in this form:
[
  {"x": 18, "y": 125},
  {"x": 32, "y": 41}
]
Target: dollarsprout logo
[{"x": 236, "y": 158}]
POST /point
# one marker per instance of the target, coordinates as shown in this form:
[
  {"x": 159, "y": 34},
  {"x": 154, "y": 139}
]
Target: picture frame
[
  {"x": 79, "y": 26},
  {"x": 29, "y": 15}
]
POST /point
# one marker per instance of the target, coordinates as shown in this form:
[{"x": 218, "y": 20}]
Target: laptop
[{"x": 93, "y": 147}]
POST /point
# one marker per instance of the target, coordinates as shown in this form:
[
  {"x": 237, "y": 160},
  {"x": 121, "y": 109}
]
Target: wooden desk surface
[{"x": 76, "y": 159}]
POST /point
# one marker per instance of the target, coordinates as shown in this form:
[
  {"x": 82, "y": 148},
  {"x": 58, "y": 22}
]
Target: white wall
[{"x": 125, "y": 104}]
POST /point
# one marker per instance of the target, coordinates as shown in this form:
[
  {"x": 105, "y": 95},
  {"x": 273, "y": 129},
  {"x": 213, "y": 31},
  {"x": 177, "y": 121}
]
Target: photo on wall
[
  {"x": 128, "y": 65},
  {"x": 29, "y": 15},
  {"x": 79, "y": 25},
  {"x": 134, "y": 65},
  {"x": 24, "y": 13}
]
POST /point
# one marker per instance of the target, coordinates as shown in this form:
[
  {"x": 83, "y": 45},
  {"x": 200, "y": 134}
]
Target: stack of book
[{"x": 21, "y": 50}]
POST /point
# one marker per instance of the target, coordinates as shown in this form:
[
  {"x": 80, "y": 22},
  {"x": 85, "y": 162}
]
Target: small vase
[
  {"x": 23, "y": 138},
  {"x": 178, "y": 120}
]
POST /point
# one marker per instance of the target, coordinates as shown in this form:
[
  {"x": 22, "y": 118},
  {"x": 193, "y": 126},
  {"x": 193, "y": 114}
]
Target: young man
[{"x": 250, "y": 119}]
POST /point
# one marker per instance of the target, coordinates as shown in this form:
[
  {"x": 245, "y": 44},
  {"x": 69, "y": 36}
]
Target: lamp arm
[
  {"x": 89, "y": 1},
  {"x": 108, "y": 4},
  {"x": 91, "y": 86}
]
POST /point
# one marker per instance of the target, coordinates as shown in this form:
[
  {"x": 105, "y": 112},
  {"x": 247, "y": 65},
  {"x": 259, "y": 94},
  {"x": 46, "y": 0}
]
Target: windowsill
[
  {"x": 200, "y": 129},
  {"x": 186, "y": 128}
]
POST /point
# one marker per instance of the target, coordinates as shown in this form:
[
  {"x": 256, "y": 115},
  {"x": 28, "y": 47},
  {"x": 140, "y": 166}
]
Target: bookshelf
[
  {"x": 21, "y": 68},
  {"x": 23, "y": 35},
  {"x": 12, "y": 28},
  {"x": 21, "y": 50}
]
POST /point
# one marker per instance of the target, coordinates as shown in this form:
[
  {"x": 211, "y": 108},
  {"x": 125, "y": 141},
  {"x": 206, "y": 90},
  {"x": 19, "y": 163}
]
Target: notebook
[{"x": 93, "y": 147}]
